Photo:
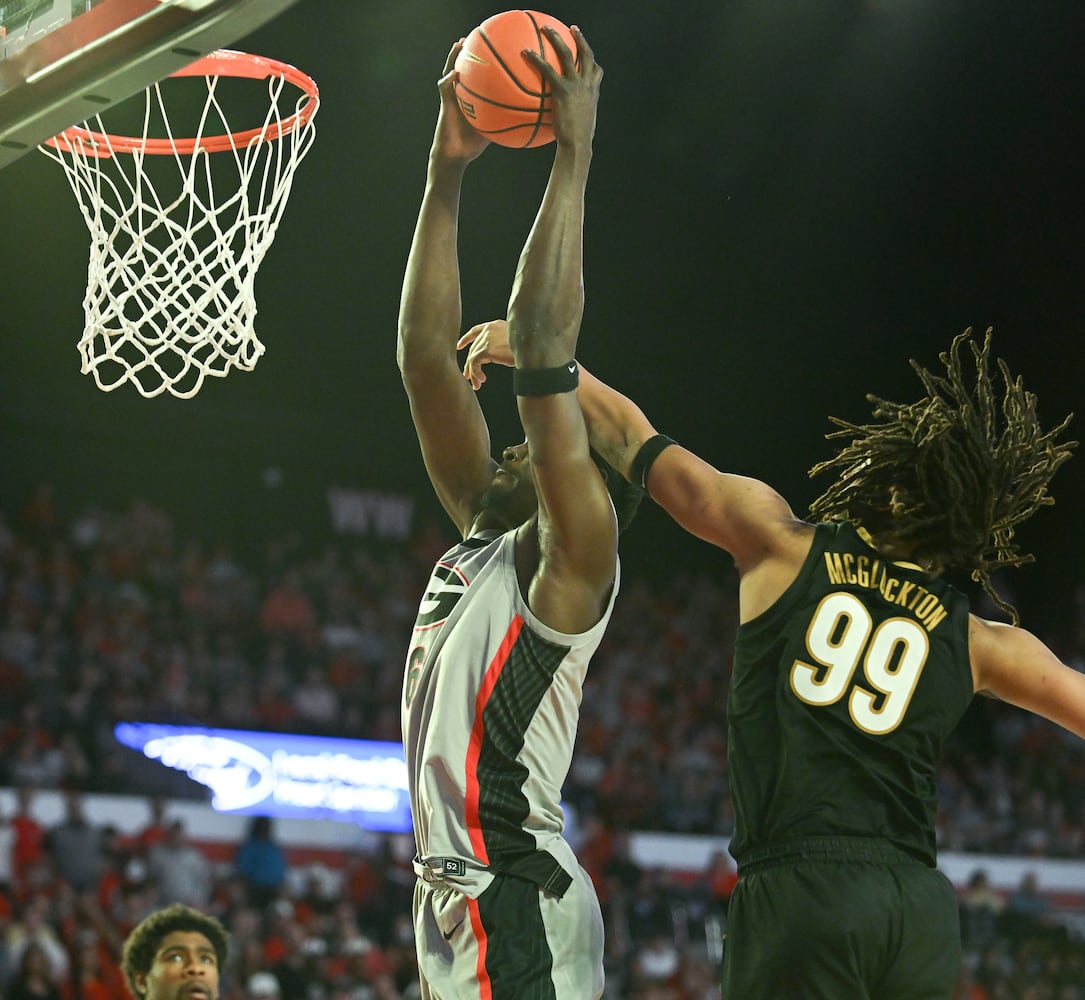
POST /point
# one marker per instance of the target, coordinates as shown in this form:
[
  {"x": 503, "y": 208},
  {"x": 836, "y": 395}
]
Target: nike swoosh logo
[{"x": 454, "y": 929}]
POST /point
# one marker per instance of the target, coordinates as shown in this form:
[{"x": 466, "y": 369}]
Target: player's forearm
[
  {"x": 547, "y": 301},
  {"x": 617, "y": 427},
  {"x": 429, "y": 311}
]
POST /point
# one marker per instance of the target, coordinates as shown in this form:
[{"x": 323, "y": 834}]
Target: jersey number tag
[
  {"x": 841, "y": 635},
  {"x": 415, "y": 659}
]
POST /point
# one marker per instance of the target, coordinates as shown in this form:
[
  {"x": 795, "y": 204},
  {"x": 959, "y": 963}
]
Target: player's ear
[{"x": 140, "y": 979}]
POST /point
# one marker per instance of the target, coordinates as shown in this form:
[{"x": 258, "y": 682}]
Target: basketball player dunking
[{"x": 511, "y": 614}]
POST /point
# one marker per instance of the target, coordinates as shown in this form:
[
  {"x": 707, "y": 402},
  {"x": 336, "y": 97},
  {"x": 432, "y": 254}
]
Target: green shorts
[{"x": 841, "y": 919}]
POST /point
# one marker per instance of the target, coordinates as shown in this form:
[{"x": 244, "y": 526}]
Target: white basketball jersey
[{"x": 491, "y": 701}]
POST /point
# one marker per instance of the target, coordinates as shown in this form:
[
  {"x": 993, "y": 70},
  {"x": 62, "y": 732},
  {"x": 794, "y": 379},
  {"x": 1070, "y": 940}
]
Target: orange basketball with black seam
[{"x": 499, "y": 91}]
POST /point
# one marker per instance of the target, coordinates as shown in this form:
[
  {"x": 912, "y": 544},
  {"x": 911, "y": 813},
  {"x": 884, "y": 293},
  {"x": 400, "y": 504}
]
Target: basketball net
[{"x": 170, "y": 292}]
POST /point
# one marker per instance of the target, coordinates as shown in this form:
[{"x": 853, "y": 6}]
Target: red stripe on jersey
[
  {"x": 485, "y": 988},
  {"x": 478, "y": 735}
]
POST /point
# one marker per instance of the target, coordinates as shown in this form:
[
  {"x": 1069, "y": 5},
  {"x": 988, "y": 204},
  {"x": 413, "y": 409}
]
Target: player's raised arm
[
  {"x": 451, "y": 428},
  {"x": 577, "y": 533},
  {"x": 743, "y": 516}
]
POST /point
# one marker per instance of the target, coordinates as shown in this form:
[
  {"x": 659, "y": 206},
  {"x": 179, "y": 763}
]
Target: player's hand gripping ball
[{"x": 499, "y": 91}]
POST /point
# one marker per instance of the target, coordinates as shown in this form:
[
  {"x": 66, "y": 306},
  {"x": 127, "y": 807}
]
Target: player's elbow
[{"x": 417, "y": 356}]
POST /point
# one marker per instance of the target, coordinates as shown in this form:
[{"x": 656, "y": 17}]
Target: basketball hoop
[{"x": 170, "y": 292}]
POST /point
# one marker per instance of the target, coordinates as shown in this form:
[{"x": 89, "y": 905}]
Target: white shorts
[{"x": 514, "y": 942}]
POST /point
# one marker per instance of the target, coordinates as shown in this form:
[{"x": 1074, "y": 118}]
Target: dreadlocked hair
[{"x": 952, "y": 475}]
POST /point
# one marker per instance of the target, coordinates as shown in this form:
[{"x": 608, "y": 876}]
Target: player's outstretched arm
[
  {"x": 451, "y": 428},
  {"x": 744, "y": 516},
  {"x": 576, "y": 528},
  {"x": 741, "y": 515},
  {"x": 1015, "y": 666}
]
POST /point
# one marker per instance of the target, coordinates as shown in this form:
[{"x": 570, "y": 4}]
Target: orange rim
[{"x": 221, "y": 62}]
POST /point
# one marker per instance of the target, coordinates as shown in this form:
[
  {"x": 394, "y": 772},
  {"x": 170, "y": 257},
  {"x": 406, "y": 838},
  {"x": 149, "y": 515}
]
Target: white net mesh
[{"x": 175, "y": 247}]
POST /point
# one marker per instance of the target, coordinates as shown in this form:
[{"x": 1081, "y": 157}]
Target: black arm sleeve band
[
  {"x": 648, "y": 453},
  {"x": 546, "y": 381}
]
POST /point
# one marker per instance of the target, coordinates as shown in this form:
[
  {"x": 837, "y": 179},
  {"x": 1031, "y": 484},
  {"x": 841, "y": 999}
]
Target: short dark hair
[
  {"x": 953, "y": 474},
  {"x": 624, "y": 495},
  {"x": 146, "y": 938}
]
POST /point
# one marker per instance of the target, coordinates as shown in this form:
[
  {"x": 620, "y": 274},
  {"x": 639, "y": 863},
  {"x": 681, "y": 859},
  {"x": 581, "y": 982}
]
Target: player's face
[
  {"x": 185, "y": 967},
  {"x": 512, "y": 491}
]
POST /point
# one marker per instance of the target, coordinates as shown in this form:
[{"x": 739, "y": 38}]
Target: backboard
[{"x": 62, "y": 61}]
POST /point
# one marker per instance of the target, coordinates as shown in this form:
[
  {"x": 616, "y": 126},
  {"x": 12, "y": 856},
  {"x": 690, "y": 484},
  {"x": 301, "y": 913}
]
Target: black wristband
[
  {"x": 546, "y": 381},
  {"x": 642, "y": 461}
]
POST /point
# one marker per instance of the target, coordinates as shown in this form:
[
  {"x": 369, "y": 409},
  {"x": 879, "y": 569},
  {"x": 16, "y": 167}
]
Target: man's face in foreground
[{"x": 185, "y": 967}]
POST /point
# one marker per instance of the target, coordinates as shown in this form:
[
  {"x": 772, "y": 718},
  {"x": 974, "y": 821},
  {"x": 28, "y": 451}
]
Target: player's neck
[
  {"x": 893, "y": 549},
  {"x": 491, "y": 519}
]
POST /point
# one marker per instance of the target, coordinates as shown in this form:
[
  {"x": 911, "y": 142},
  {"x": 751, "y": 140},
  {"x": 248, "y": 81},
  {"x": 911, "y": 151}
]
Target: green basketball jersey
[{"x": 842, "y": 695}]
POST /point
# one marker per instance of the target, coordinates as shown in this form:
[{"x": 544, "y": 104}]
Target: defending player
[{"x": 854, "y": 660}]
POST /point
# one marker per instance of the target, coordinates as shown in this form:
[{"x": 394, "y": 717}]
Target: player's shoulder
[
  {"x": 995, "y": 646},
  {"x": 985, "y": 630}
]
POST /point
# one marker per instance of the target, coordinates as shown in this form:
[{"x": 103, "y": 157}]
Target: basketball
[{"x": 499, "y": 91}]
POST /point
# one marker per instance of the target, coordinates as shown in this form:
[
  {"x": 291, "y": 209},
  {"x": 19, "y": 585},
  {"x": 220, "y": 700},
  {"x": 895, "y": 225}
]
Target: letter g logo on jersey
[{"x": 446, "y": 587}]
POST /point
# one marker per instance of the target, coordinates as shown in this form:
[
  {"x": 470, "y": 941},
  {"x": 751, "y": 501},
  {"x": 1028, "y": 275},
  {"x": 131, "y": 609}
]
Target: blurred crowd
[{"x": 111, "y": 615}]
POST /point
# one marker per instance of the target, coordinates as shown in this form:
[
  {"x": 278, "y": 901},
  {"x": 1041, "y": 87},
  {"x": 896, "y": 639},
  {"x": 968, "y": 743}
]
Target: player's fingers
[
  {"x": 470, "y": 336},
  {"x": 479, "y": 345},
  {"x": 473, "y": 372},
  {"x": 479, "y": 353},
  {"x": 453, "y": 53},
  {"x": 584, "y": 50},
  {"x": 448, "y": 74},
  {"x": 565, "y": 56},
  {"x": 549, "y": 73}
]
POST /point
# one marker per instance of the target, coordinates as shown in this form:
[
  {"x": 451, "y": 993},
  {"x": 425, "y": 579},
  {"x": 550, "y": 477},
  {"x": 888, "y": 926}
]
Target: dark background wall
[{"x": 788, "y": 201}]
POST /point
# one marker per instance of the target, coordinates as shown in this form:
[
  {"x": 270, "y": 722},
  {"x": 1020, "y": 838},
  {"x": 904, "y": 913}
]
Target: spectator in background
[
  {"x": 31, "y": 763},
  {"x": 32, "y": 929},
  {"x": 656, "y": 962},
  {"x": 8, "y": 836},
  {"x": 157, "y": 828},
  {"x": 981, "y": 908},
  {"x": 273, "y": 705},
  {"x": 91, "y": 978},
  {"x": 180, "y": 870},
  {"x": 248, "y": 941},
  {"x": 119, "y": 865},
  {"x": 35, "y": 978},
  {"x": 261, "y": 861},
  {"x": 968, "y": 985},
  {"x": 315, "y": 702},
  {"x": 1026, "y": 908},
  {"x": 262, "y": 986},
  {"x": 650, "y": 909},
  {"x": 620, "y": 871},
  {"x": 19, "y": 642},
  {"x": 72, "y": 763},
  {"x": 287, "y": 612},
  {"x": 721, "y": 877},
  {"x": 75, "y": 846},
  {"x": 292, "y": 969}
]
